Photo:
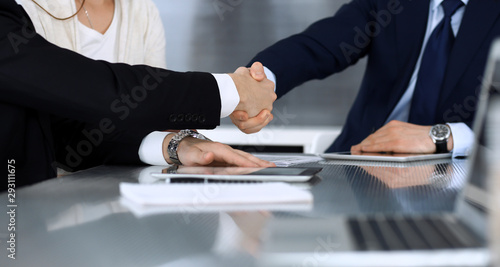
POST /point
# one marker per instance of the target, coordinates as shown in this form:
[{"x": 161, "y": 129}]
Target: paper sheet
[
  {"x": 144, "y": 211},
  {"x": 214, "y": 194}
]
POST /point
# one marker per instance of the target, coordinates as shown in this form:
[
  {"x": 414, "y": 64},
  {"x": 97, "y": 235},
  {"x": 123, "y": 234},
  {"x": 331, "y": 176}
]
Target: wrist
[
  {"x": 450, "y": 142},
  {"x": 174, "y": 142},
  {"x": 241, "y": 96},
  {"x": 166, "y": 141},
  {"x": 440, "y": 136}
]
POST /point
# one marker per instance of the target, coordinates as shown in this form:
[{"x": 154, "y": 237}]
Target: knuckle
[
  {"x": 393, "y": 123},
  {"x": 243, "y": 126},
  {"x": 242, "y": 70},
  {"x": 268, "y": 83}
]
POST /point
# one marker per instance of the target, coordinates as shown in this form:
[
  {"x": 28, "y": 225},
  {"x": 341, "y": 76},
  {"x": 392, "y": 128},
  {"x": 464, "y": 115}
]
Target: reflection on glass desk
[{"x": 80, "y": 219}]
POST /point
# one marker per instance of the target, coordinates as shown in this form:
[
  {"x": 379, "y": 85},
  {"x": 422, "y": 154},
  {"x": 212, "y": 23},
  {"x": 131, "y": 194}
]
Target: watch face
[{"x": 440, "y": 132}]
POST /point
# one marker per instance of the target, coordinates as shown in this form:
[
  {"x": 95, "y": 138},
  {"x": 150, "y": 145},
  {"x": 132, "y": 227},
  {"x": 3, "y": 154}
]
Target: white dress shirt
[
  {"x": 151, "y": 149},
  {"x": 463, "y": 137}
]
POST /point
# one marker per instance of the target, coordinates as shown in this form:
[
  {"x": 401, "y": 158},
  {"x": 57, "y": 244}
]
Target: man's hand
[
  {"x": 252, "y": 124},
  {"x": 197, "y": 152},
  {"x": 255, "y": 96},
  {"x": 400, "y": 137}
]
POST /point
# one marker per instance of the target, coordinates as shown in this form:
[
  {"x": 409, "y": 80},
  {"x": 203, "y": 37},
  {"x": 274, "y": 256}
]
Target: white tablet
[
  {"x": 385, "y": 156},
  {"x": 221, "y": 174}
]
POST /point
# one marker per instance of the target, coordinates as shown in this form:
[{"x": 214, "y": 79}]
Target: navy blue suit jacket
[{"x": 390, "y": 33}]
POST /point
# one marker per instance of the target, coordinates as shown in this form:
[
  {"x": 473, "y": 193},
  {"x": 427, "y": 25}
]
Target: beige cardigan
[{"x": 142, "y": 36}]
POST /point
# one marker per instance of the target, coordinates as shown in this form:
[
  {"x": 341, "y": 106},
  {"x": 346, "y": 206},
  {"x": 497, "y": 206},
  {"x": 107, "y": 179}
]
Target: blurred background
[{"x": 220, "y": 35}]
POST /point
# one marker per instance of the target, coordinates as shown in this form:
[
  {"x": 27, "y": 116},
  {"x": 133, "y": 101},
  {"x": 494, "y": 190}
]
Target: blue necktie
[{"x": 432, "y": 68}]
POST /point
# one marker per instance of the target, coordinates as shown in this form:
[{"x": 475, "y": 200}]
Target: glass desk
[{"x": 81, "y": 220}]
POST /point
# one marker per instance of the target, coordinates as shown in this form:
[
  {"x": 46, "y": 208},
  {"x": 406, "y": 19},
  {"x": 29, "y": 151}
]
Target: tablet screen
[{"x": 294, "y": 174}]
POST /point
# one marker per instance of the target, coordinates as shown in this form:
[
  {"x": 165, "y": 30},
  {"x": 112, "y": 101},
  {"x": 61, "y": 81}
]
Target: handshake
[
  {"x": 257, "y": 95},
  {"x": 252, "y": 113}
]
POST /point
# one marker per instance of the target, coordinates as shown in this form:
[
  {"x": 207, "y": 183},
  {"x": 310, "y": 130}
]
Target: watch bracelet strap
[{"x": 173, "y": 145}]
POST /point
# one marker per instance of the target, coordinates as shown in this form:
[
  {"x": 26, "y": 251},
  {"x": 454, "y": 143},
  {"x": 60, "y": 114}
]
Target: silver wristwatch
[
  {"x": 439, "y": 134},
  {"x": 173, "y": 145}
]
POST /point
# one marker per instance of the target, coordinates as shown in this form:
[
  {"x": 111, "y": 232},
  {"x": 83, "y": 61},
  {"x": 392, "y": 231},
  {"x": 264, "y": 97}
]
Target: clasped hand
[{"x": 256, "y": 99}]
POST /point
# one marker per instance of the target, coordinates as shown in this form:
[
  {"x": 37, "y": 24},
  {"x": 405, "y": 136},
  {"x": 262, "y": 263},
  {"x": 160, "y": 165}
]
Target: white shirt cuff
[
  {"x": 270, "y": 75},
  {"x": 463, "y": 139},
  {"x": 229, "y": 97},
  {"x": 151, "y": 149}
]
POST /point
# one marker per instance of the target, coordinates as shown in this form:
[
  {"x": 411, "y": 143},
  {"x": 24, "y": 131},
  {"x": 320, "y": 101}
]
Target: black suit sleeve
[
  {"x": 41, "y": 76},
  {"x": 80, "y": 145},
  {"x": 58, "y": 107}
]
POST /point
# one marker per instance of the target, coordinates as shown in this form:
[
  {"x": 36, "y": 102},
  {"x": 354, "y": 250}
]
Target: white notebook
[{"x": 207, "y": 194}]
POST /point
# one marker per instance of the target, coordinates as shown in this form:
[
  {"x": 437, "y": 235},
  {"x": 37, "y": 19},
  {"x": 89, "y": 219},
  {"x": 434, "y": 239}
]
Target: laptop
[{"x": 457, "y": 238}]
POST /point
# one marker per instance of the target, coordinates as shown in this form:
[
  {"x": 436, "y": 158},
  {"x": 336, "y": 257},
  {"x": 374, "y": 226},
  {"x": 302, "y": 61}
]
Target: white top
[
  {"x": 98, "y": 46},
  {"x": 140, "y": 34}
]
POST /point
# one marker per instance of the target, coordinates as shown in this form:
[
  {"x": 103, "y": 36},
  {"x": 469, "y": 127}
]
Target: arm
[
  {"x": 119, "y": 99},
  {"x": 80, "y": 146},
  {"x": 403, "y": 137},
  {"x": 326, "y": 47},
  {"x": 128, "y": 96}
]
